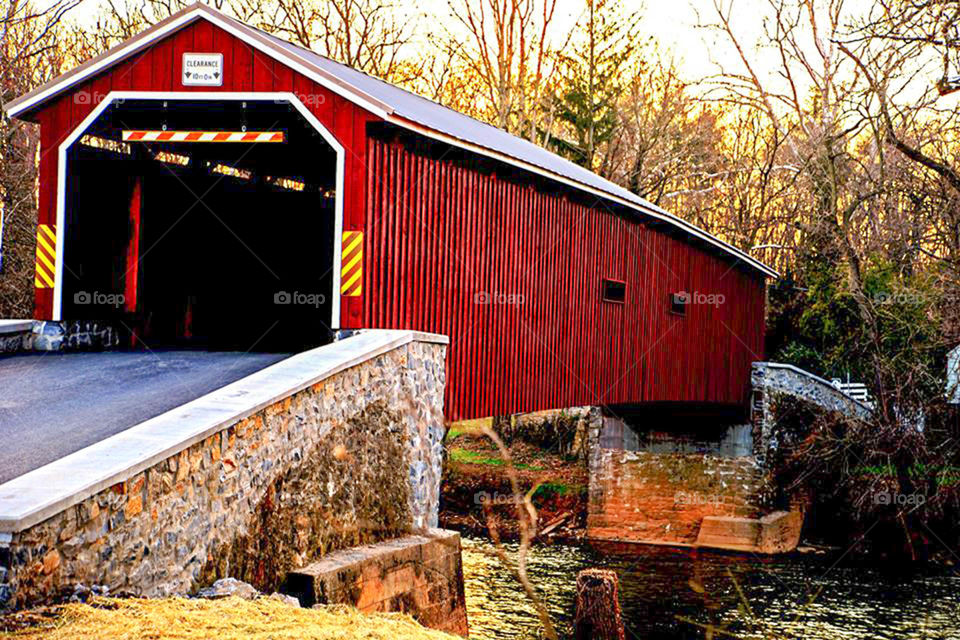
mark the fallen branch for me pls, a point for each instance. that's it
(556, 522)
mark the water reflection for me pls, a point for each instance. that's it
(799, 596)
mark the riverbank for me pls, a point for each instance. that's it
(230, 618)
(476, 483)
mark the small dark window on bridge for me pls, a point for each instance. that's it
(679, 302)
(614, 290)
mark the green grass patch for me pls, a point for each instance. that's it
(455, 432)
(945, 476)
(466, 427)
(464, 456)
(548, 490)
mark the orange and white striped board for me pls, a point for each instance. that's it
(202, 136)
(351, 261)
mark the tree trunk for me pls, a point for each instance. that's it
(503, 426)
(598, 606)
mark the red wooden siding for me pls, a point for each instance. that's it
(443, 233)
(245, 70)
(507, 264)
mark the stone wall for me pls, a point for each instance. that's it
(15, 336)
(30, 335)
(665, 487)
(771, 381)
(560, 431)
(787, 379)
(352, 459)
(15, 342)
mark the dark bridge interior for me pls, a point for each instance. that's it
(225, 246)
(673, 427)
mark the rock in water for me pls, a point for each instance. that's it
(226, 587)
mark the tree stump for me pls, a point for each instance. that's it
(598, 606)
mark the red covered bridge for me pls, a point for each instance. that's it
(207, 183)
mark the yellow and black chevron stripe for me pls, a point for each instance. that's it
(351, 259)
(46, 256)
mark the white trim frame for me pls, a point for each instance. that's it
(267, 96)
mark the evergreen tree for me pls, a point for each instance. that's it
(594, 72)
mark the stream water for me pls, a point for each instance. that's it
(665, 593)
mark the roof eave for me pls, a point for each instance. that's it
(25, 105)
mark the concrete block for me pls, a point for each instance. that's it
(777, 532)
(420, 575)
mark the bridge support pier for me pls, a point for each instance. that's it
(658, 485)
(658, 480)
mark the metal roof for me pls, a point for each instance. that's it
(394, 104)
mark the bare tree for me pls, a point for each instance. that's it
(119, 20)
(369, 35)
(32, 54)
(509, 49)
(896, 49)
(907, 57)
(842, 172)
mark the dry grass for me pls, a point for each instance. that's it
(227, 619)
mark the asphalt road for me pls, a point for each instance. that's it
(53, 404)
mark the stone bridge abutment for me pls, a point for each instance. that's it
(329, 449)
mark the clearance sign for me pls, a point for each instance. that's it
(202, 70)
